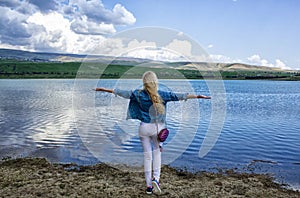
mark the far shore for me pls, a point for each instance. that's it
(138, 78)
(36, 177)
(17, 69)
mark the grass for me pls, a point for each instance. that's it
(13, 69)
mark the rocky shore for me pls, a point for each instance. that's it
(36, 177)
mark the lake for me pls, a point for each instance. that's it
(249, 126)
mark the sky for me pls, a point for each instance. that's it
(258, 32)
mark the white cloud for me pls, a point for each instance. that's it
(281, 64)
(55, 36)
(83, 26)
(154, 54)
(210, 46)
(9, 3)
(176, 50)
(135, 44)
(59, 37)
(180, 34)
(257, 60)
(45, 6)
(121, 16)
(182, 47)
(95, 11)
(121, 47)
(64, 26)
(13, 27)
(253, 60)
(218, 58)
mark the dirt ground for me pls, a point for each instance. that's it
(36, 177)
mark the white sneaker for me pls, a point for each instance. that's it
(156, 185)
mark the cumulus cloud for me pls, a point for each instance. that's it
(257, 60)
(180, 34)
(280, 64)
(123, 47)
(218, 58)
(54, 36)
(45, 6)
(157, 54)
(252, 60)
(9, 3)
(95, 11)
(121, 16)
(59, 37)
(175, 50)
(13, 27)
(83, 26)
(135, 45)
(183, 47)
(57, 25)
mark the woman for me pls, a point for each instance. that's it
(149, 106)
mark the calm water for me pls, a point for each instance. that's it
(51, 118)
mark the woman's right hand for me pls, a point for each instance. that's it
(104, 89)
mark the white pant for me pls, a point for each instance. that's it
(148, 137)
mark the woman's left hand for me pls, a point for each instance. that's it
(203, 97)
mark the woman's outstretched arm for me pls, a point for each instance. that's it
(104, 89)
(118, 92)
(192, 96)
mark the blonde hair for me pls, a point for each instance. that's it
(150, 82)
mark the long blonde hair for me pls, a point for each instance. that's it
(150, 82)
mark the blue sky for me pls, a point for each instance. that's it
(260, 32)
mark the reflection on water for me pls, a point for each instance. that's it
(37, 120)
(260, 133)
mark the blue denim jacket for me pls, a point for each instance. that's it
(140, 104)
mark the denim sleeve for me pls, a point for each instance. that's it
(171, 96)
(123, 93)
(181, 96)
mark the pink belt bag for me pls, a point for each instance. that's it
(162, 135)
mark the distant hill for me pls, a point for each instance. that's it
(227, 67)
(35, 56)
(59, 57)
(24, 64)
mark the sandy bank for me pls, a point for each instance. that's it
(36, 177)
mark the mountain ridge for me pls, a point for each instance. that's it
(22, 55)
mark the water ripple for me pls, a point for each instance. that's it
(262, 124)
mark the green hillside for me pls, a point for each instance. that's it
(12, 69)
(24, 64)
(27, 69)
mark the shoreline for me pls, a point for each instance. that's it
(33, 177)
(203, 79)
